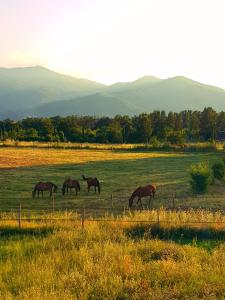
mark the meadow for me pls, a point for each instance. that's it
(179, 256)
(119, 172)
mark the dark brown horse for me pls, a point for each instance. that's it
(140, 192)
(44, 186)
(92, 181)
(69, 184)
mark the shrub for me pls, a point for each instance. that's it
(169, 253)
(154, 142)
(218, 170)
(201, 177)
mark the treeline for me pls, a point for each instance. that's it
(173, 128)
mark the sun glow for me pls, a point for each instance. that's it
(110, 41)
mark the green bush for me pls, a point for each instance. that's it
(201, 177)
(218, 170)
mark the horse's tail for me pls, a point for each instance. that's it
(63, 188)
(84, 178)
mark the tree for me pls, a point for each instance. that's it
(126, 125)
(114, 133)
(143, 128)
(208, 123)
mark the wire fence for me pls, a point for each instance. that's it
(109, 208)
(83, 215)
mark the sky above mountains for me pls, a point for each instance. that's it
(116, 40)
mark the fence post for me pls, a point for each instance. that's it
(83, 218)
(158, 219)
(19, 216)
(112, 202)
(53, 203)
(173, 200)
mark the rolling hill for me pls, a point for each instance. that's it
(175, 94)
(22, 89)
(37, 91)
(97, 104)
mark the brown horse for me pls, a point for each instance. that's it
(44, 186)
(140, 192)
(70, 184)
(92, 181)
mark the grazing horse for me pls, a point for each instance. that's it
(92, 181)
(44, 186)
(70, 184)
(140, 192)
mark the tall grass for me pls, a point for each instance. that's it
(161, 146)
(108, 260)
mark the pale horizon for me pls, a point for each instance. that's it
(116, 41)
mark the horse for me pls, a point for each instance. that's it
(69, 184)
(92, 181)
(140, 192)
(44, 186)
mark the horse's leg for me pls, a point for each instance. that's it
(88, 188)
(139, 199)
(149, 201)
(95, 189)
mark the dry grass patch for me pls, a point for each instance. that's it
(17, 157)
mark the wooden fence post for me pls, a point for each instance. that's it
(53, 203)
(173, 200)
(158, 219)
(19, 216)
(83, 218)
(112, 202)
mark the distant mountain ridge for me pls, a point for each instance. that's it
(37, 91)
(25, 88)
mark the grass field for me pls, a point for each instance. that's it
(119, 172)
(114, 260)
(181, 257)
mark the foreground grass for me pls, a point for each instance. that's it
(114, 260)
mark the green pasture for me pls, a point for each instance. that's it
(118, 178)
(182, 257)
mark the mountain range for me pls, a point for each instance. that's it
(37, 91)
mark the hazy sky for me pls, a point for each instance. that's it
(116, 40)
